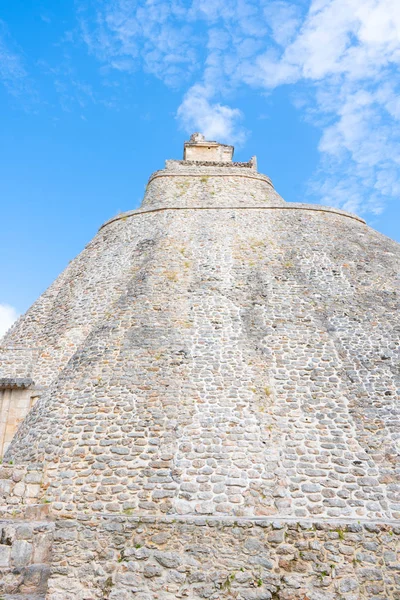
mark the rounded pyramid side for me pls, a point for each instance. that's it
(248, 366)
(42, 341)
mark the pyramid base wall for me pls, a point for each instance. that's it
(25, 558)
(123, 557)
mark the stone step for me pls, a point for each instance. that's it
(29, 596)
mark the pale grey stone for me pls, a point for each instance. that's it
(218, 385)
(5, 554)
(21, 553)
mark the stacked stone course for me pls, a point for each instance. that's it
(21, 489)
(225, 558)
(220, 370)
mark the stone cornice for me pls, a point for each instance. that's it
(230, 172)
(289, 206)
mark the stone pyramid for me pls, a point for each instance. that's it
(211, 402)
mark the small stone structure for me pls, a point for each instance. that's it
(198, 149)
(16, 400)
(218, 383)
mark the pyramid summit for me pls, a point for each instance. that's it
(205, 403)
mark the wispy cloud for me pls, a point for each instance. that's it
(344, 53)
(155, 36)
(179, 42)
(8, 315)
(348, 51)
(12, 72)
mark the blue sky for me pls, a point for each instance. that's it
(96, 94)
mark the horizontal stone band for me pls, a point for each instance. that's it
(316, 208)
(257, 176)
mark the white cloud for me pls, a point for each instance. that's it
(348, 53)
(8, 315)
(345, 53)
(177, 41)
(351, 38)
(214, 120)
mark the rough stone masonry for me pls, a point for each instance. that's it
(209, 397)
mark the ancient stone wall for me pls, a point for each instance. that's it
(25, 557)
(23, 492)
(218, 412)
(227, 377)
(26, 533)
(121, 557)
(191, 186)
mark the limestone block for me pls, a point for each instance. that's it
(19, 489)
(6, 486)
(32, 490)
(21, 553)
(37, 512)
(169, 560)
(42, 548)
(33, 477)
(5, 555)
(24, 531)
(17, 475)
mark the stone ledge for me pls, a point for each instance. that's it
(208, 163)
(9, 383)
(28, 596)
(294, 206)
(232, 172)
(229, 521)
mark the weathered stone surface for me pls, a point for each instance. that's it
(5, 554)
(25, 550)
(218, 370)
(232, 336)
(225, 559)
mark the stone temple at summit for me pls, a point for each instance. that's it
(205, 403)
